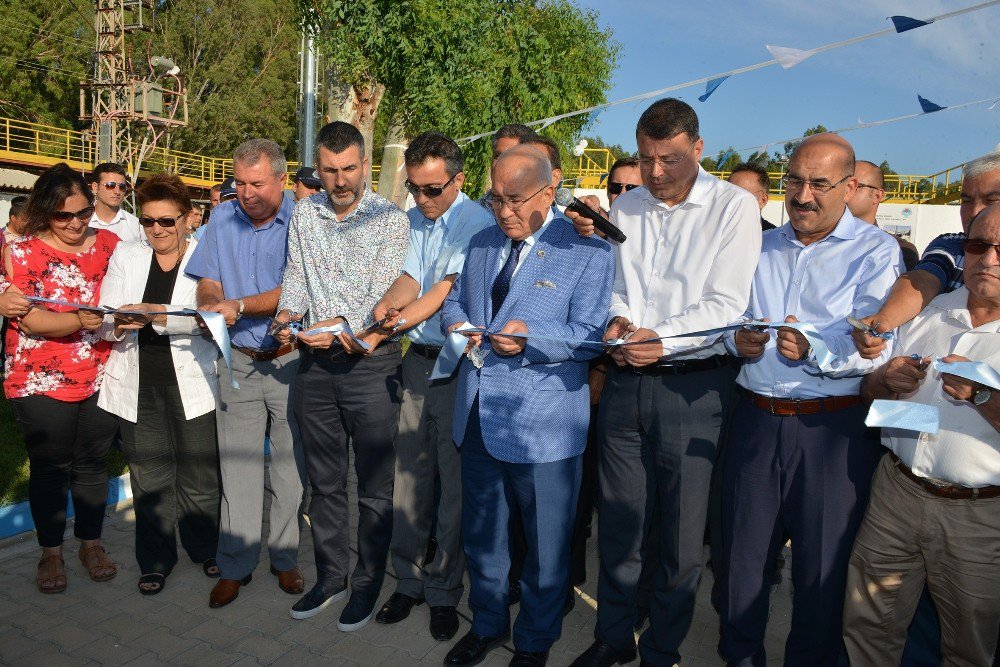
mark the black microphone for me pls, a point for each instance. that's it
(565, 198)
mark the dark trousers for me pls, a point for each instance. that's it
(546, 496)
(174, 469)
(807, 477)
(659, 436)
(584, 506)
(67, 446)
(339, 400)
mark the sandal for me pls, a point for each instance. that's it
(51, 577)
(98, 564)
(151, 584)
(211, 569)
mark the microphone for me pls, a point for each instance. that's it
(565, 198)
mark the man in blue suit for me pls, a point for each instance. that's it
(522, 404)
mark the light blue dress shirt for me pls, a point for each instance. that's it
(850, 272)
(438, 249)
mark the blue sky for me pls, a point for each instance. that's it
(666, 42)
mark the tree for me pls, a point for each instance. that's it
(790, 146)
(616, 150)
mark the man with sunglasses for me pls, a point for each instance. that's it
(441, 227)
(934, 514)
(111, 185)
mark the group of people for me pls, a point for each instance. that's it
(592, 374)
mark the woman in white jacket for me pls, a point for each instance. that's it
(161, 381)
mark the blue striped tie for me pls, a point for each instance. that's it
(502, 284)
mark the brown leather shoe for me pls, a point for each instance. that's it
(226, 590)
(289, 581)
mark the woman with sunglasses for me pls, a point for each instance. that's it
(53, 370)
(162, 383)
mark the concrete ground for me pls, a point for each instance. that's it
(112, 624)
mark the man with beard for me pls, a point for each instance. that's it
(344, 251)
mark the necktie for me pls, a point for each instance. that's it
(502, 284)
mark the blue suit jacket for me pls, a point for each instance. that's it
(534, 407)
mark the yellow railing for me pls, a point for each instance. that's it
(937, 188)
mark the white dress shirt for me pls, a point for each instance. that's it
(966, 449)
(687, 267)
(849, 272)
(124, 225)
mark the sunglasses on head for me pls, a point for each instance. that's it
(123, 185)
(147, 221)
(618, 188)
(66, 216)
(427, 190)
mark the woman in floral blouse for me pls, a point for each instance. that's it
(53, 370)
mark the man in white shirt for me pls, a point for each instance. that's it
(934, 513)
(693, 243)
(111, 185)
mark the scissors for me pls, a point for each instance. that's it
(871, 330)
(294, 326)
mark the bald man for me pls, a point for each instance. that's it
(522, 406)
(864, 205)
(799, 459)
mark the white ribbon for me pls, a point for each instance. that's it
(977, 371)
(905, 415)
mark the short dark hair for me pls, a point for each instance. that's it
(522, 133)
(762, 178)
(107, 168)
(216, 188)
(667, 118)
(17, 204)
(164, 187)
(434, 145)
(338, 136)
(880, 178)
(551, 149)
(53, 187)
(620, 163)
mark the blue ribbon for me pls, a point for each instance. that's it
(977, 371)
(905, 415)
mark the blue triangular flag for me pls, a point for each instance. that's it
(711, 86)
(722, 160)
(904, 23)
(928, 106)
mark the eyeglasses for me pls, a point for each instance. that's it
(431, 191)
(865, 185)
(147, 221)
(794, 184)
(513, 204)
(66, 216)
(618, 188)
(664, 162)
(123, 185)
(978, 247)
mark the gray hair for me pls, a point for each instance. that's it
(252, 151)
(981, 165)
(537, 166)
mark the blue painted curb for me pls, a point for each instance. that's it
(16, 519)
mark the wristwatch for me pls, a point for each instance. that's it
(239, 313)
(982, 395)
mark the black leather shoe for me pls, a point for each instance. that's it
(472, 649)
(529, 659)
(604, 655)
(444, 623)
(396, 608)
(514, 594)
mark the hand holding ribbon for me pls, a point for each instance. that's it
(961, 378)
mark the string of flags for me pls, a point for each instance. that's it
(785, 56)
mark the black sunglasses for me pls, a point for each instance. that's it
(66, 216)
(616, 188)
(147, 221)
(978, 247)
(431, 191)
(123, 186)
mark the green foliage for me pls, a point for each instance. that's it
(790, 146)
(723, 161)
(616, 150)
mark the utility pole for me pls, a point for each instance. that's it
(307, 99)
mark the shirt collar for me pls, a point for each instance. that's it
(531, 240)
(447, 216)
(323, 204)
(119, 217)
(704, 183)
(845, 230)
(955, 305)
(281, 217)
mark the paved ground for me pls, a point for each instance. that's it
(110, 623)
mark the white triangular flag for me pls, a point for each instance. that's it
(994, 105)
(788, 58)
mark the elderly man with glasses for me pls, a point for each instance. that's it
(110, 185)
(441, 227)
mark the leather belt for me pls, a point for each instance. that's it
(943, 489)
(682, 367)
(425, 351)
(811, 406)
(265, 355)
(337, 353)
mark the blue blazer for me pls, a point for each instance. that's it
(534, 407)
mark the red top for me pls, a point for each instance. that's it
(68, 368)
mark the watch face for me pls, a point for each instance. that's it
(981, 396)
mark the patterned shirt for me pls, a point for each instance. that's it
(341, 268)
(944, 258)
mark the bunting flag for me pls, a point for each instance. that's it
(784, 56)
(904, 23)
(928, 106)
(711, 86)
(722, 160)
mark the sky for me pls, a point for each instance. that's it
(667, 42)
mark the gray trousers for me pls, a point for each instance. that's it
(658, 439)
(242, 418)
(424, 449)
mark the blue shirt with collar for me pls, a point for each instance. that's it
(247, 260)
(438, 249)
(849, 272)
